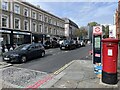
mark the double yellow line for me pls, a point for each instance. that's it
(62, 68)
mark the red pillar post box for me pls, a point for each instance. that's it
(109, 60)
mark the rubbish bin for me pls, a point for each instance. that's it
(109, 60)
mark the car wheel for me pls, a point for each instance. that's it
(43, 54)
(23, 59)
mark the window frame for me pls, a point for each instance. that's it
(35, 14)
(50, 21)
(40, 18)
(15, 23)
(41, 28)
(27, 25)
(35, 26)
(3, 1)
(27, 12)
(54, 30)
(6, 21)
(50, 31)
(46, 29)
(46, 19)
(15, 9)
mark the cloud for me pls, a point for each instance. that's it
(104, 14)
(81, 12)
(99, 12)
(73, 1)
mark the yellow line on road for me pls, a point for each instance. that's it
(62, 68)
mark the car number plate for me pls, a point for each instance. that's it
(6, 59)
(63, 47)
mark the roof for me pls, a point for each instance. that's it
(68, 21)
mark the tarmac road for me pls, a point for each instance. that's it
(55, 59)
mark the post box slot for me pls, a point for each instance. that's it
(110, 46)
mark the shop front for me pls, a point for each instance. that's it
(9, 37)
(38, 37)
(21, 37)
(5, 38)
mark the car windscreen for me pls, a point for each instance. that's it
(47, 42)
(66, 42)
(22, 47)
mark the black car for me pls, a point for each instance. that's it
(67, 44)
(47, 44)
(24, 52)
(54, 44)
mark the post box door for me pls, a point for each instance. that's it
(110, 59)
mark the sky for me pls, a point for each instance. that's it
(80, 11)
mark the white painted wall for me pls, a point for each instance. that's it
(67, 30)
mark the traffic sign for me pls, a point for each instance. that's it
(97, 30)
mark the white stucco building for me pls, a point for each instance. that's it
(70, 28)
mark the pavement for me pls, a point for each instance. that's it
(76, 74)
(4, 64)
(80, 74)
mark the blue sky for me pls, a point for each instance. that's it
(81, 12)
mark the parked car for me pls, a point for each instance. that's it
(77, 43)
(67, 44)
(47, 44)
(24, 53)
(54, 44)
(61, 41)
(82, 43)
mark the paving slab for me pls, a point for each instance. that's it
(66, 84)
(93, 83)
(80, 74)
